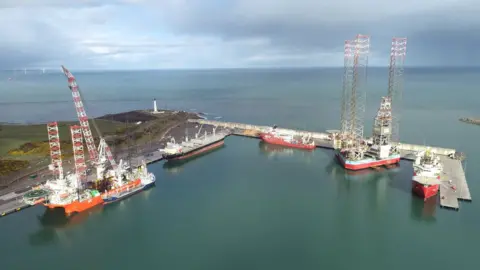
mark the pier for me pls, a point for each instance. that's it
(12, 202)
(454, 185)
(452, 192)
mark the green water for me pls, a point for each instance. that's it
(242, 208)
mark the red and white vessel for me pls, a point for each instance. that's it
(275, 137)
(427, 169)
(380, 151)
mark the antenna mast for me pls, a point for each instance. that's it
(395, 82)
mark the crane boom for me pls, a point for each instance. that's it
(83, 119)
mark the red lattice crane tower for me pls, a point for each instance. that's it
(55, 151)
(78, 153)
(395, 82)
(82, 115)
(104, 152)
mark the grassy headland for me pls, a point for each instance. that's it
(24, 148)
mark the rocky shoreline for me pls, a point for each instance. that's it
(470, 120)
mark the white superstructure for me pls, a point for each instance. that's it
(427, 168)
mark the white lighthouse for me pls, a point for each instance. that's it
(155, 106)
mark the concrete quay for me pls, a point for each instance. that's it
(12, 202)
(454, 185)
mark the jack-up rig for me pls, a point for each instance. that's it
(74, 192)
(353, 150)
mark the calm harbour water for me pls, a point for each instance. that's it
(241, 207)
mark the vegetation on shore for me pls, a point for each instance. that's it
(11, 165)
(22, 146)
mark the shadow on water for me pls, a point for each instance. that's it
(377, 181)
(176, 166)
(370, 186)
(401, 177)
(53, 221)
(424, 210)
(273, 150)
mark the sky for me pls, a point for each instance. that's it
(193, 34)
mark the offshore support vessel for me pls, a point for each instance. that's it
(273, 136)
(193, 147)
(427, 170)
(64, 191)
(124, 187)
(380, 152)
(72, 193)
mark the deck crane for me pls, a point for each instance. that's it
(100, 156)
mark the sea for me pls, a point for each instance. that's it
(246, 206)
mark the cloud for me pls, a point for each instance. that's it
(61, 3)
(231, 33)
(312, 26)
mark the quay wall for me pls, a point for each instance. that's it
(319, 136)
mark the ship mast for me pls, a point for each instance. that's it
(198, 132)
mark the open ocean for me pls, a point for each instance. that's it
(240, 207)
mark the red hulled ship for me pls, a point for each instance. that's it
(288, 140)
(426, 174)
(380, 152)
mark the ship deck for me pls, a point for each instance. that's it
(194, 144)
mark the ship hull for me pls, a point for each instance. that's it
(366, 163)
(123, 195)
(195, 152)
(120, 194)
(78, 206)
(424, 191)
(273, 140)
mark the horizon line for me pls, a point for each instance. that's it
(231, 68)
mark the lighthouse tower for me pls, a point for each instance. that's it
(155, 106)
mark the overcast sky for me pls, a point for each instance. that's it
(148, 34)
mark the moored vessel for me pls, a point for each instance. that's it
(427, 170)
(365, 162)
(73, 193)
(75, 202)
(130, 183)
(273, 136)
(193, 147)
(361, 154)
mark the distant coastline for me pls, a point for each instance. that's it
(470, 120)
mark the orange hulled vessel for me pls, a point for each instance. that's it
(76, 203)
